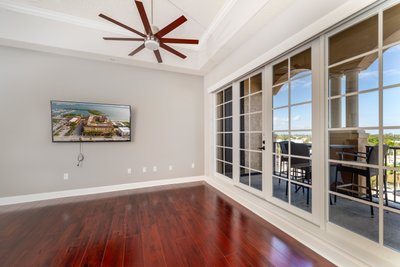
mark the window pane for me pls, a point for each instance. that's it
(228, 109)
(228, 155)
(392, 192)
(301, 197)
(280, 189)
(355, 217)
(256, 122)
(255, 141)
(280, 165)
(220, 111)
(220, 140)
(301, 90)
(355, 111)
(228, 170)
(244, 105)
(244, 158)
(300, 168)
(255, 83)
(244, 141)
(244, 87)
(356, 40)
(228, 95)
(302, 138)
(281, 119)
(391, 236)
(337, 113)
(301, 117)
(357, 75)
(256, 161)
(343, 145)
(244, 176)
(220, 97)
(280, 72)
(392, 159)
(300, 64)
(391, 26)
(368, 109)
(280, 142)
(228, 125)
(220, 167)
(256, 102)
(220, 153)
(228, 140)
(256, 180)
(244, 123)
(280, 95)
(391, 66)
(357, 181)
(220, 125)
(391, 107)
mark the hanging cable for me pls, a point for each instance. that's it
(81, 157)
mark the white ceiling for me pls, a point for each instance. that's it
(72, 27)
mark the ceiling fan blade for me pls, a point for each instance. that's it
(158, 56)
(144, 18)
(173, 51)
(136, 50)
(121, 25)
(122, 39)
(170, 27)
(179, 41)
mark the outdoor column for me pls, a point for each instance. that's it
(352, 101)
(336, 104)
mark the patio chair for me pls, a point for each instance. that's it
(370, 157)
(300, 168)
(284, 150)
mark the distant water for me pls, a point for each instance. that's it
(113, 112)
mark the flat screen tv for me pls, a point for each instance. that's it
(90, 122)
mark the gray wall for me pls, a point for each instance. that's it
(167, 123)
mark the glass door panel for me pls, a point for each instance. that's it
(292, 130)
(250, 132)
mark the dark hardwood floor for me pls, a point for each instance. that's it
(177, 225)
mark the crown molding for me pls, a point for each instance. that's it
(221, 15)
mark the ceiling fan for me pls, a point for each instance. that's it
(153, 38)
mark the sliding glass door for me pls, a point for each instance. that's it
(251, 144)
(292, 130)
(364, 127)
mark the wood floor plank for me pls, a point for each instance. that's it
(174, 225)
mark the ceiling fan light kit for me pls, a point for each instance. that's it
(152, 43)
(153, 37)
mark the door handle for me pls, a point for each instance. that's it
(261, 148)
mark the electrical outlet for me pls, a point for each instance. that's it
(170, 168)
(66, 176)
(154, 168)
(144, 169)
(129, 170)
(192, 165)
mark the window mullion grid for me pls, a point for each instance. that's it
(290, 134)
(381, 139)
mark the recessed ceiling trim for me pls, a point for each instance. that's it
(61, 17)
(224, 11)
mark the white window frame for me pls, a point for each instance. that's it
(377, 248)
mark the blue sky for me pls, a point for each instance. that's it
(368, 102)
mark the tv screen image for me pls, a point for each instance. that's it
(90, 122)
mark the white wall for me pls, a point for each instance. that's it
(167, 123)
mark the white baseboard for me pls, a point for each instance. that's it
(95, 190)
(308, 234)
